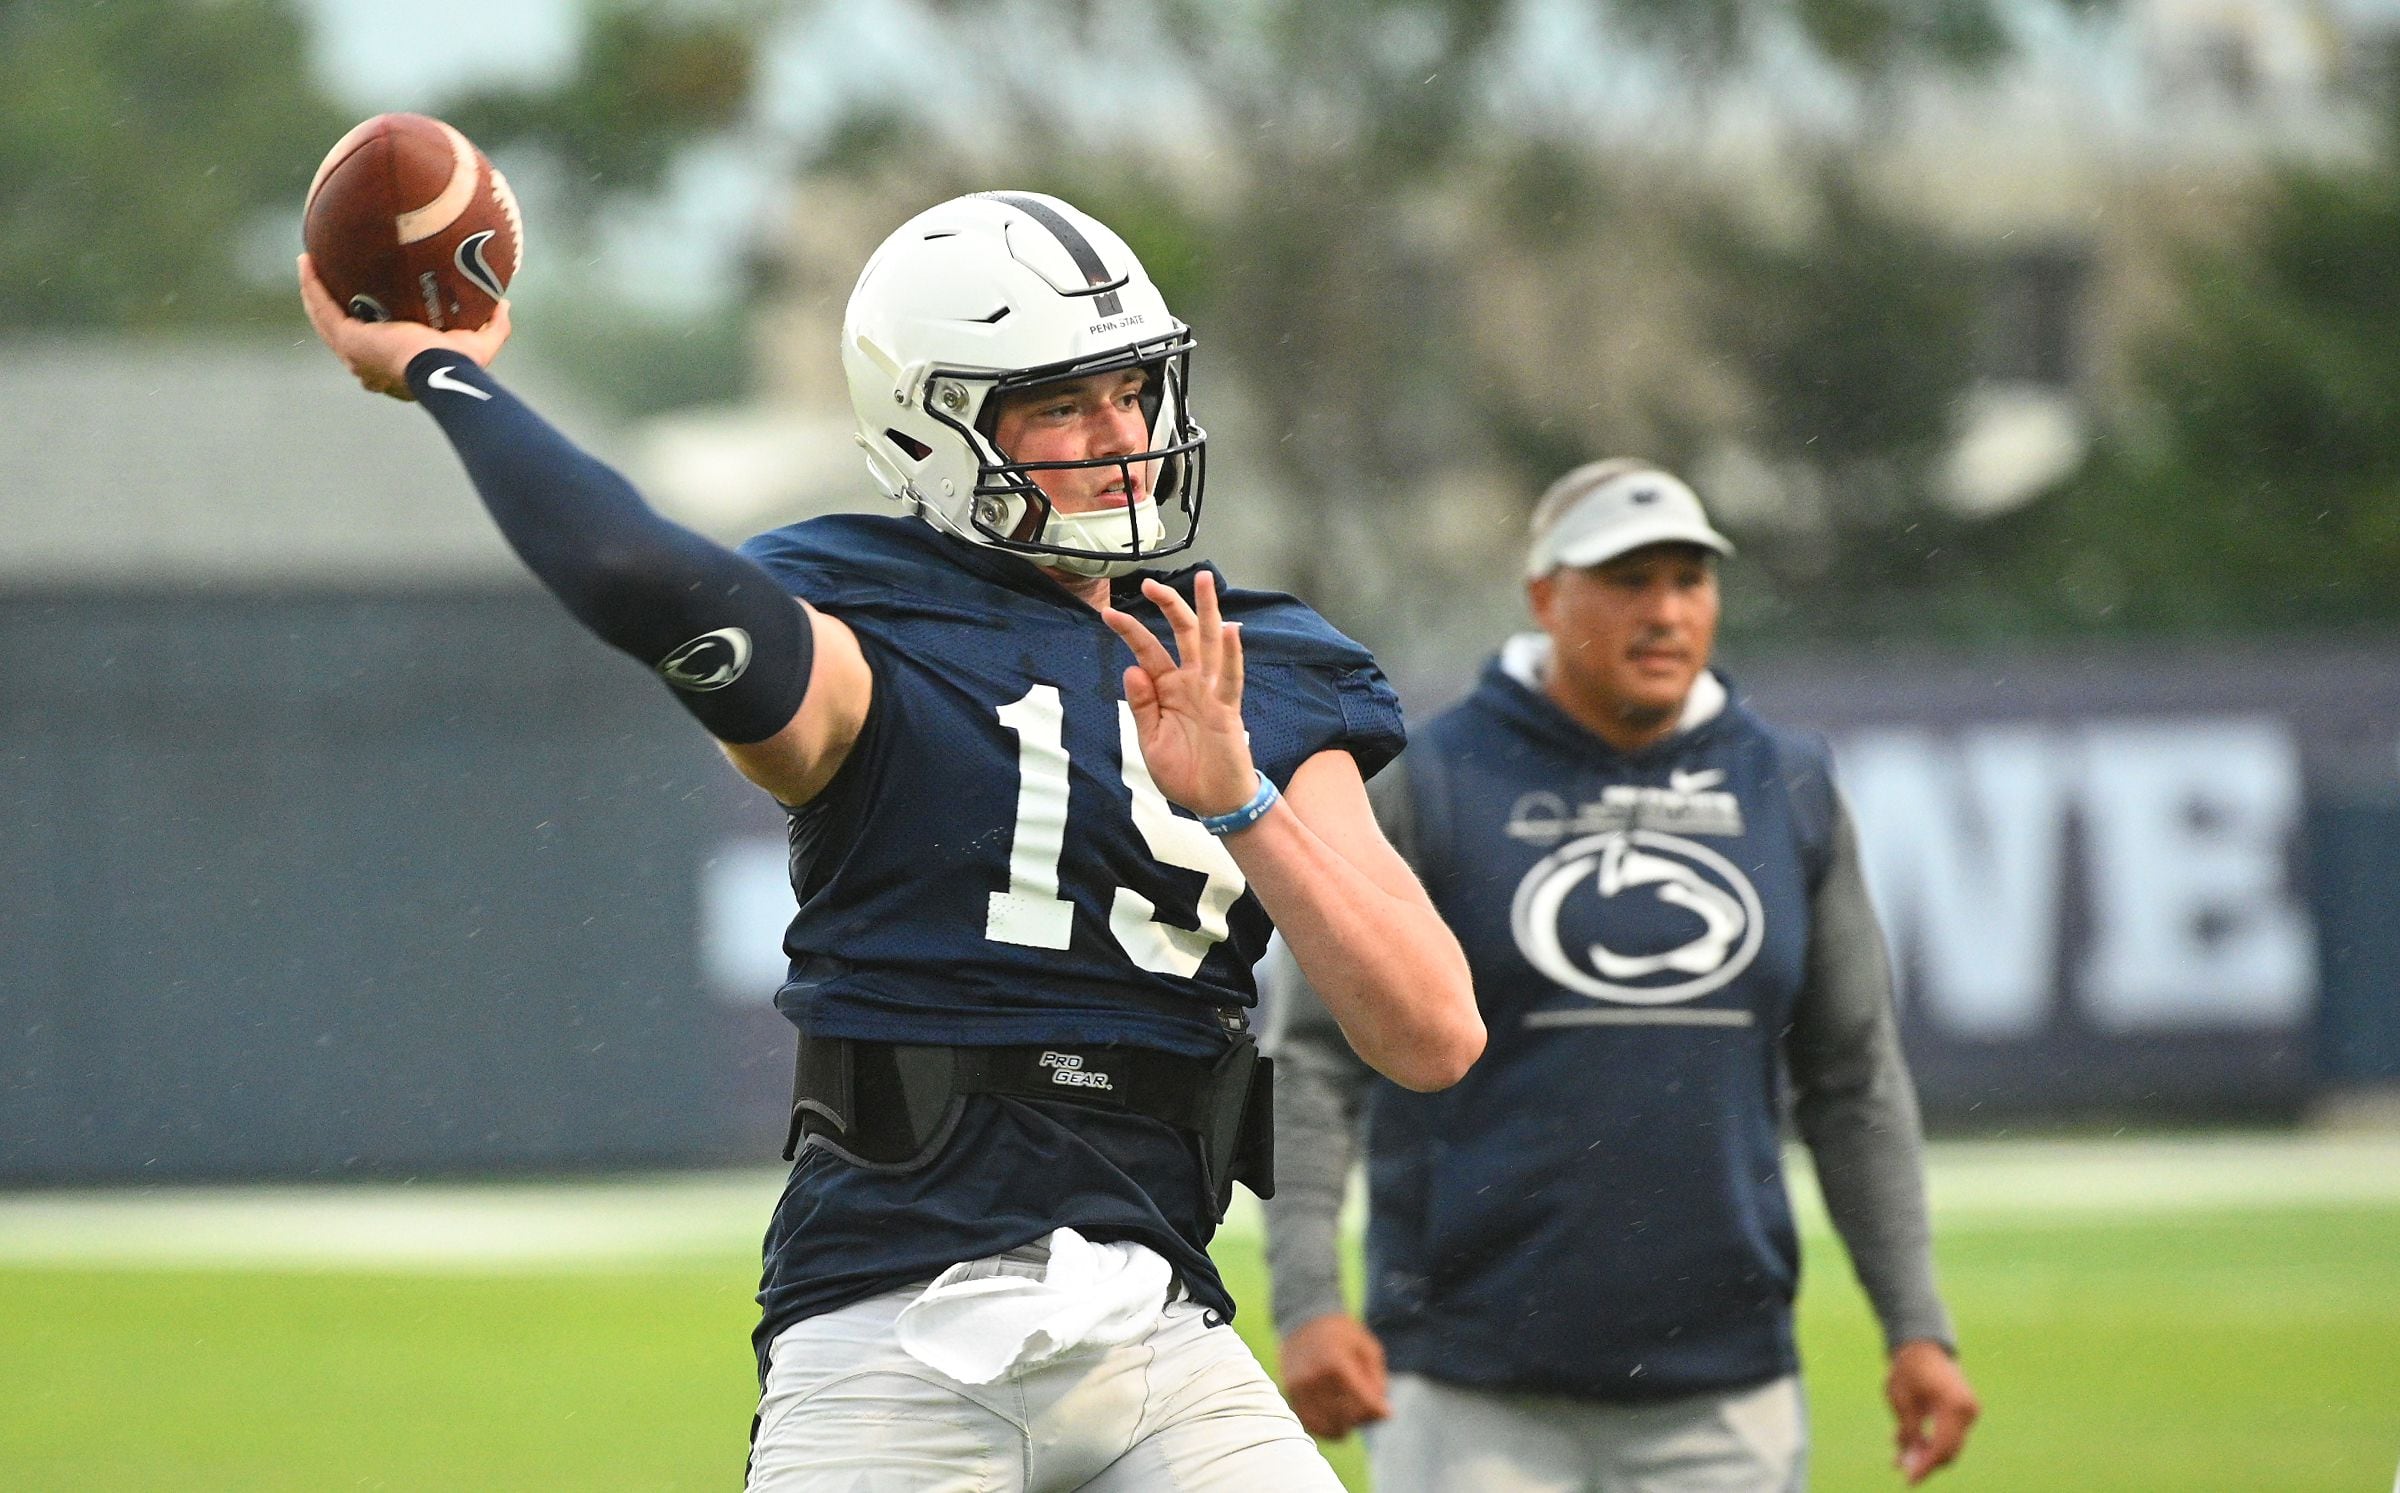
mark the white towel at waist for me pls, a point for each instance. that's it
(982, 1319)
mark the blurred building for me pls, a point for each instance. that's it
(223, 464)
(333, 846)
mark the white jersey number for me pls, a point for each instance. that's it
(1032, 913)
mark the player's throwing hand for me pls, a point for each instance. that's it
(1189, 712)
(377, 353)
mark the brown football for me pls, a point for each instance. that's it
(407, 221)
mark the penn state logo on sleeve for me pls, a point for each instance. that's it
(710, 661)
(1638, 917)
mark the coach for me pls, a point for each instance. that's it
(1581, 1259)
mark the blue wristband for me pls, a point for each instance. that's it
(1248, 814)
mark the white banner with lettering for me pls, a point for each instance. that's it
(2164, 845)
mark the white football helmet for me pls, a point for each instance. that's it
(1001, 291)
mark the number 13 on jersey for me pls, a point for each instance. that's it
(1031, 912)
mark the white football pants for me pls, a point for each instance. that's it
(1186, 1407)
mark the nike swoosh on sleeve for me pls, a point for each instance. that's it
(441, 378)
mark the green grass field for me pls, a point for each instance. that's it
(2237, 1329)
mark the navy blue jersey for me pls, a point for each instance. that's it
(993, 866)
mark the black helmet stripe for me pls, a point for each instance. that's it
(1079, 248)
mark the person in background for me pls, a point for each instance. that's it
(1581, 1259)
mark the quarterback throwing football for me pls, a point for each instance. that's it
(1046, 801)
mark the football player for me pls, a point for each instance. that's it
(1045, 800)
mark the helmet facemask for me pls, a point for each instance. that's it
(1011, 512)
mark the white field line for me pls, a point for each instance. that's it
(1975, 1184)
(468, 1228)
(2002, 1184)
(482, 1228)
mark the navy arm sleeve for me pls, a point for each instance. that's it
(729, 641)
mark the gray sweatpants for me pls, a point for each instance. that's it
(846, 1410)
(1446, 1439)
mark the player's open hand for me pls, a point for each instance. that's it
(1189, 709)
(377, 353)
(1935, 1407)
(1333, 1374)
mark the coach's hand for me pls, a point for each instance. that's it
(1188, 710)
(1935, 1406)
(377, 353)
(1334, 1376)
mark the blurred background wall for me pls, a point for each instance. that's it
(2037, 353)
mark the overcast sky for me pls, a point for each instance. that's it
(378, 56)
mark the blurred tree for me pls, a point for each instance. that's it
(1855, 338)
(2254, 481)
(1331, 282)
(146, 151)
(153, 160)
(1863, 38)
(648, 82)
(1342, 239)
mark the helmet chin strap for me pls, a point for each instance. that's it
(1104, 529)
